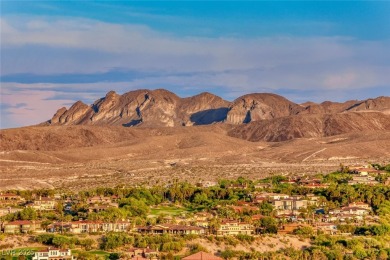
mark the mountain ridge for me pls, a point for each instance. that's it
(162, 108)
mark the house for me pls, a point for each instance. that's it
(171, 229)
(9, 197)
(22, 226)
(262, 185)
(341, 217)
(43, 203)
(103, 207)
(327, 228)
(363, 179)
(202, 256)
(99, 200)
(357, 211)
(289, 205)
(364, 171)
(265, 196)
(257, 217)
(53, 254)
(360, 205)
(208, 184)
(234, 227)
(237, 186)
(89, 226)
(289, 228)
(316, 185)
(346, 213)
(201, 219)
(293, 204)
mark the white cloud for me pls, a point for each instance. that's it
(234, 65)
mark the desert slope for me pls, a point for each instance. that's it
(311, 125)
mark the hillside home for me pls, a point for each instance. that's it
(171, 229)
(99, 200)
(102, 207)
(10, 197)
(327, 228)
(316, 185)
(360, 205)
(265, 196)
(368, 180)
(350, 210)
(53, 254)
(364, 171)
(262, 185)
(22, 226)
(234, 227)
(89, 226)
(208, 184)
(200, 219)
(289, 205)
(289, 228)
(43, 203)
(342, 218)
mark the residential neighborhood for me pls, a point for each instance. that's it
(151, 222)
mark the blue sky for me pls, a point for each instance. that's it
(54, 53)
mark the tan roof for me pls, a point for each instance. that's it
(202, 256)
(138, 258)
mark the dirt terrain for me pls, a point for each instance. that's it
(78, 157)
(154, 136)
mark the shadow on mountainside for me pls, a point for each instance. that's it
(209, 116)
(133, 122)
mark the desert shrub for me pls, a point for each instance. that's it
(228, 254)
(195, 248)
(304, 231)
(245, 238)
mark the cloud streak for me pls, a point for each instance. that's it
(51, 62)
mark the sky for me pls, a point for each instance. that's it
(54, 53)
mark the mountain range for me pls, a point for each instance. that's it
(254, 117)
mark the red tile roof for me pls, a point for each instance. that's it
(19, 222)
(202, 256)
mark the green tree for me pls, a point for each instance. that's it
(87, 243)
(266, 208)
(28, 214)
(269, 225)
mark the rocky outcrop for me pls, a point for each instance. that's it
(75, 115)
(256, 107)
(150, 108)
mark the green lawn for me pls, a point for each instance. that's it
(93, 252)
(99, 252)
(167, 210)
